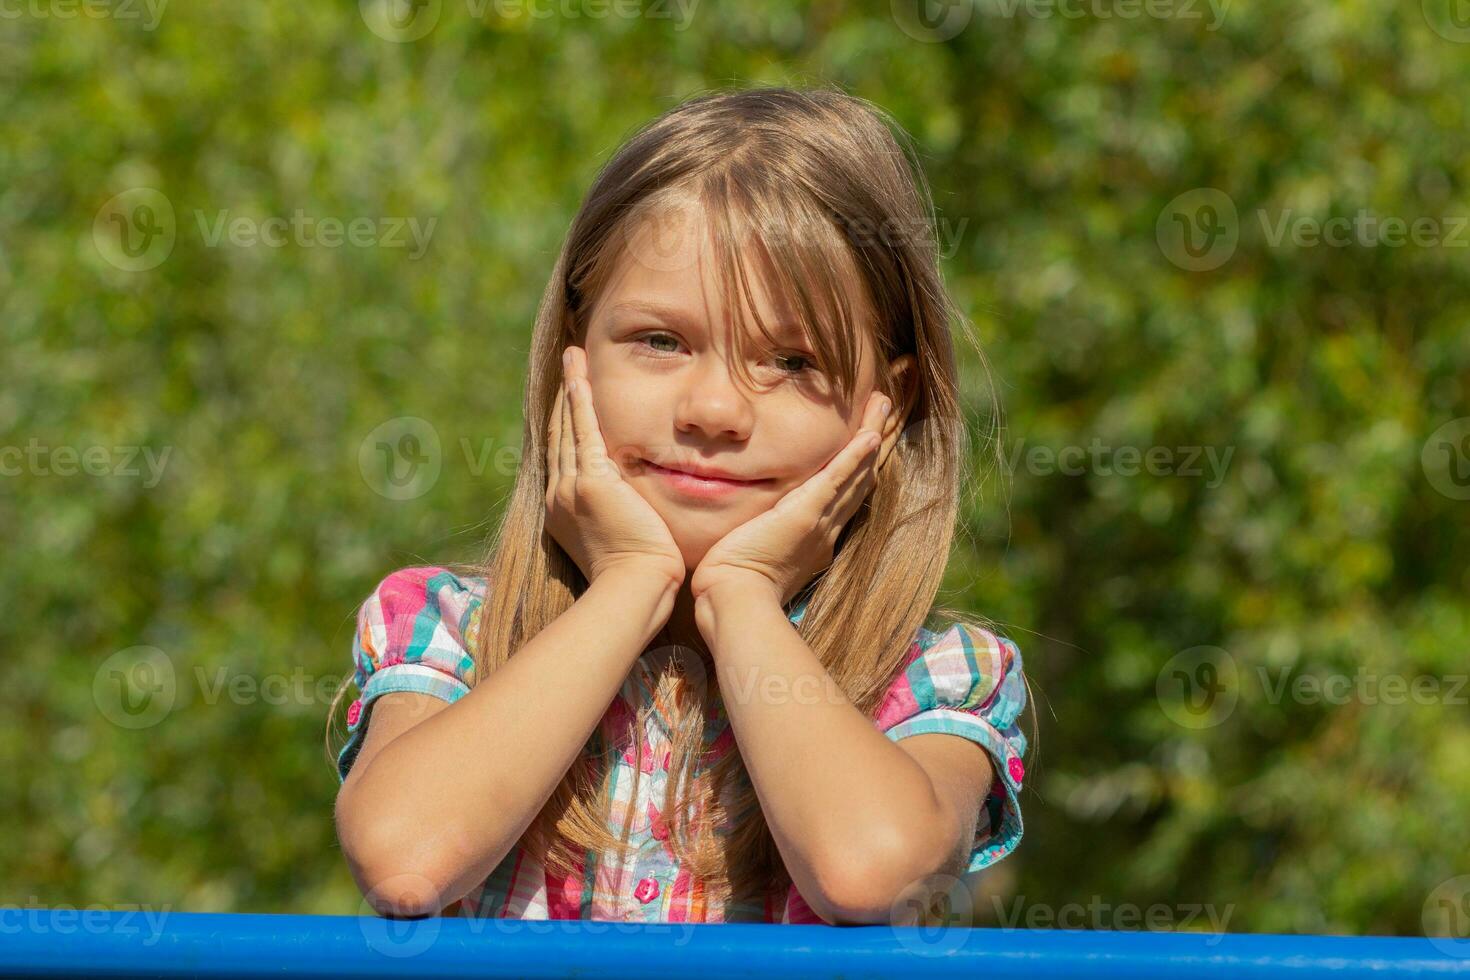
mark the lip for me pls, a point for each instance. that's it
(707, 483)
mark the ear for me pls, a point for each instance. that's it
(903, 381)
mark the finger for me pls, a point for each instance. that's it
(855, 490)
(858, 482)
(876, 411)
(825, 486)
(591, 448)
(553, 441)
(568, 448)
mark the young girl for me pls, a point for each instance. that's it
(695, 678)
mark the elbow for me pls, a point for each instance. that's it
(398, 880)
(875, 889)
(404, 895)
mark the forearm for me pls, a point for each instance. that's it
(844, 803)
(459, 789)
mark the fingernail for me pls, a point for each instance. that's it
(566, 358)
(886, 406)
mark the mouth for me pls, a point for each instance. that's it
(695, 484)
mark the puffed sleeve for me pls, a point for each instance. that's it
(968, 681)
(413, 634)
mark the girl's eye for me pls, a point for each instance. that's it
(803, 363)
(660, 336)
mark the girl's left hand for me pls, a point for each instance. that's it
(782, 549)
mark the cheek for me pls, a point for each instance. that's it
(807, 442)
(627, 411)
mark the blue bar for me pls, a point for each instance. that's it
(114, 943)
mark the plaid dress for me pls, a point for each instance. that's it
(415, 631)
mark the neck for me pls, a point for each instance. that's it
(681, 629)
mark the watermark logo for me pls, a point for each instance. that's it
(400, 937)
(139, 687)
(37, 459)
(1199, 229)
(400, 21)
(1099, 915)
(310, 231)
(933, 916)
(90, 920)
(1446, 459)
(119, 10)
(932, 21)
(1446, 917)
(1450, 19)
(135, 688)
(1198, 688)
(135, 231)
(401, 459)
(1127, 461)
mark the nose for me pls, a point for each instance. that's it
(712, 403)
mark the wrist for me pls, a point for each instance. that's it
(733, 602)
(645, 588)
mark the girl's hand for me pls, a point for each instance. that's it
(782, 549)
(596, 516)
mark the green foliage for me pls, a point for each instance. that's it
(1314, 376)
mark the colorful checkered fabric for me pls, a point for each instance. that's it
(415, 631)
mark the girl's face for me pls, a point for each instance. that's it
(665, 393)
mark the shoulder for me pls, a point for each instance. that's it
(422, 592)
(962, 665)
(418, 611)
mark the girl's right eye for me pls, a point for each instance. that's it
(649, 338)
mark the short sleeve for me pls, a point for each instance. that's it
(413, 634)
(968, 681)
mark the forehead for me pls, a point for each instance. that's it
(669, 270)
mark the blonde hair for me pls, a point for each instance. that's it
(821, 185)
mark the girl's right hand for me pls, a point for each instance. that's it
(591, 511)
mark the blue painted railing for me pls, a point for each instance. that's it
(113, 943)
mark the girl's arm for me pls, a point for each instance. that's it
(440, 794)
(857, 819)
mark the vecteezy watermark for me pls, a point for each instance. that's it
(139, 687)
(308, 231)
(93, 920)
(934, 915)
(120, 10)
(670, 239)
(403, 916)
(1200, 687)
(1446, 459)
(1363, 686)
(1197, 688)
(36, 459)
(402, 21)
(1364, 230)
(1098, 914)
(401, 458)
(1200, 229)
(137, 230)
(1446, 917)
(1214, 10)
(934, 21)
(681, 12)
(1450, 19)
(1105, 460)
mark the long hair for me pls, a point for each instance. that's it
(809, 189)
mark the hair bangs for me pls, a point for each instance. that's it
(802, 261)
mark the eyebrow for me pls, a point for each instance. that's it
(678, 317)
